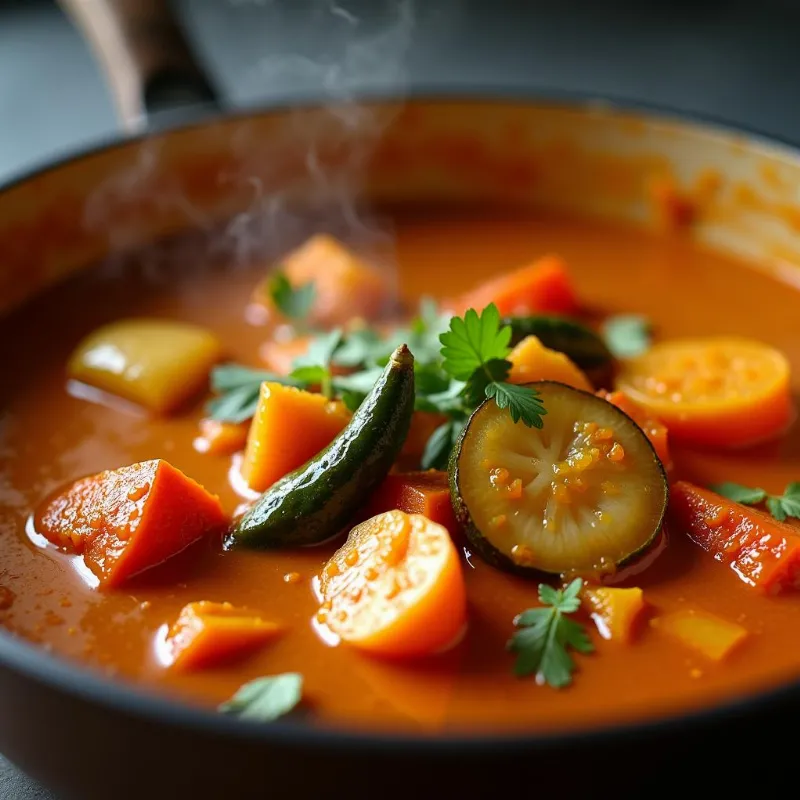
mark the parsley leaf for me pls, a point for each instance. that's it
(441, 443)
(780, 506)
(238, 388)
(546, 634)
(314, 368)
(266, 699)
(360, 348)
(473, 340)
(522, 402)
(293, 302)
(740, 494)
(627, 335)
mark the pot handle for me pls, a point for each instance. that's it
(148, 62)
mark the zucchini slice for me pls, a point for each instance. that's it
(580, 344)
(582, 496)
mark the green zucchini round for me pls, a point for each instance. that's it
(582, 345)
(317, 500)
(584, 495)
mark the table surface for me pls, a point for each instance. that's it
(736, 61)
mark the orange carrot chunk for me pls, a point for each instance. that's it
(543, 286)
(532, 361)
(290, 426)
(209, 634)
(763, 552)
(653, 428)
(426, 493)
(344, 285)
(615, 611)
(395, 588)
(221, 438)
(127, 520)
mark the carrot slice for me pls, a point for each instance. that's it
(395, 588)
(208, 634)
(345, 286)
(710, 635)
(717, 392)
(616, 612)
(127, 520)
(426, 493)
(289, 427)
(544, 285)
(532, 361)
(763, 552)
(654, 429)
(221, 438)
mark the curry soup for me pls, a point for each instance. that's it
(587, 467)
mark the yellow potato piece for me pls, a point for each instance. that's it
(707, 634)
(158, 364)
(532, 361)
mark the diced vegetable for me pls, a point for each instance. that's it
(544, 286)
(318, 499)
(584, 495)
(158, 364)
(290, 426)
(127, 520)
(221, 438)
(532, 361)
(581, 345)
(616, 612)
(710, 635)
(763, 552)
(654, 429)
(344, 285)
(209, 634)
(426, 493)
(716, 392)
(395, 588)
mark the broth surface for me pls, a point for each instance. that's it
(49, 437)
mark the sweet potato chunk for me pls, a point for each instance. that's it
(207, 634)
(127, 520)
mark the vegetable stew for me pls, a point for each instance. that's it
(554, 484)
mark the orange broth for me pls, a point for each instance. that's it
(48, 437)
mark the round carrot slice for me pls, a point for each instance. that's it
(716, 392)
(395, 588)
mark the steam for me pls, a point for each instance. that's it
(327, 149)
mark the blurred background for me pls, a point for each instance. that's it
(738, 61)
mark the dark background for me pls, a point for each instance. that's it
(736, 61)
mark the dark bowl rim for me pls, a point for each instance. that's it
(127, 698)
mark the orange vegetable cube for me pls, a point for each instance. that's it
(345, 286)
(221, 438)
(127, 520)
(615, 611)
(209, 634)
(763, 552)
(543, 286)
(532, 361)
(426, 493)
(710, 635)
(423, 424)
(290, 426)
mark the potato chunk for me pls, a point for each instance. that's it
(158, 364)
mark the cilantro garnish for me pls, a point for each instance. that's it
(627, 335)
(293, 302)
(546, 634)
(474, 350)
(781, 506)
(238, 388)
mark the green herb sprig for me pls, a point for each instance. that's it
(780, 506)
(547, 634)
(266, 699)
